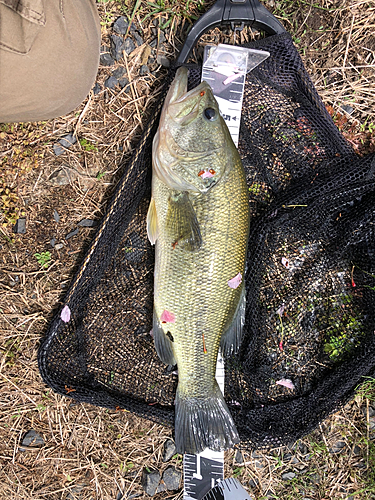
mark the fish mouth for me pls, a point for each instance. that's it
(178, 87)
(178, 97)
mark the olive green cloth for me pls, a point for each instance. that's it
(49, 57)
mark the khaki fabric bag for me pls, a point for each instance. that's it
(49, 57)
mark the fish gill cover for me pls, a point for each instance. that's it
(310, 278)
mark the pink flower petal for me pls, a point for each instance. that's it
(167, 317)
(286, 382)
(280, 310)
(207, 174)
(232, 77)
(285, 262)
(236, 281)
(65, 314)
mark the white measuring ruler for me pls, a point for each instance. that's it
(204, 471)
(224, 69)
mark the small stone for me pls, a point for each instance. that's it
(337, 447)
(172, 478)
(162, 38)
(106, 60)
(133, 28)
(111, 82)
(238, 457)
(58, 246)
(32, 438)
(357, 450)
(75, 492)
(303, 448)
(150, 481)
(144, 70)
(360, 465)
(161, 488)
(169, 450)
(138, 39)
(52, 242)
(163, 61)
(371, 411)
(153, 43)
(87, 223)
(253, 483)
(96, 89)
(120, 26)
(58, 150)
(348, 109)
(123, 82)
(72, 233)
(68, 140)
(315, 478)
(372, 423)
(20, 226)
(117, 47)
(288, 476)
(129, 46)
(119, 72)
(56, 216)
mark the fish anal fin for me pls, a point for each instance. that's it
(231, 338)
(163, 342)
(182, 226)
(203, 423)
(152, 223)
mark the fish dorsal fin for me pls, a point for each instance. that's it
(231, 338)
(182, 226)
(163, 342)
(152, 223)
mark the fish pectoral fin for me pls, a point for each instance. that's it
(152, 223)
(231, 338)
(163, 342)
(182, 226)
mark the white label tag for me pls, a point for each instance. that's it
(224, 69)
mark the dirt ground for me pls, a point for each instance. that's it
(93, 453)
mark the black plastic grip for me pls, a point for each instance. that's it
(224, 12)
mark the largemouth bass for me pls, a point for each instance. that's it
(199, 221)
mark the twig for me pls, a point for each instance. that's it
(347, 45)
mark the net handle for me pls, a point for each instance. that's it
(231, 12)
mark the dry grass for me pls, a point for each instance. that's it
(95, 453)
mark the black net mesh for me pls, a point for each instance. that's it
(309, 333)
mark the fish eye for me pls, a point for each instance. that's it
(210, 114)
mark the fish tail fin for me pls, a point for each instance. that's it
(204, 423)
